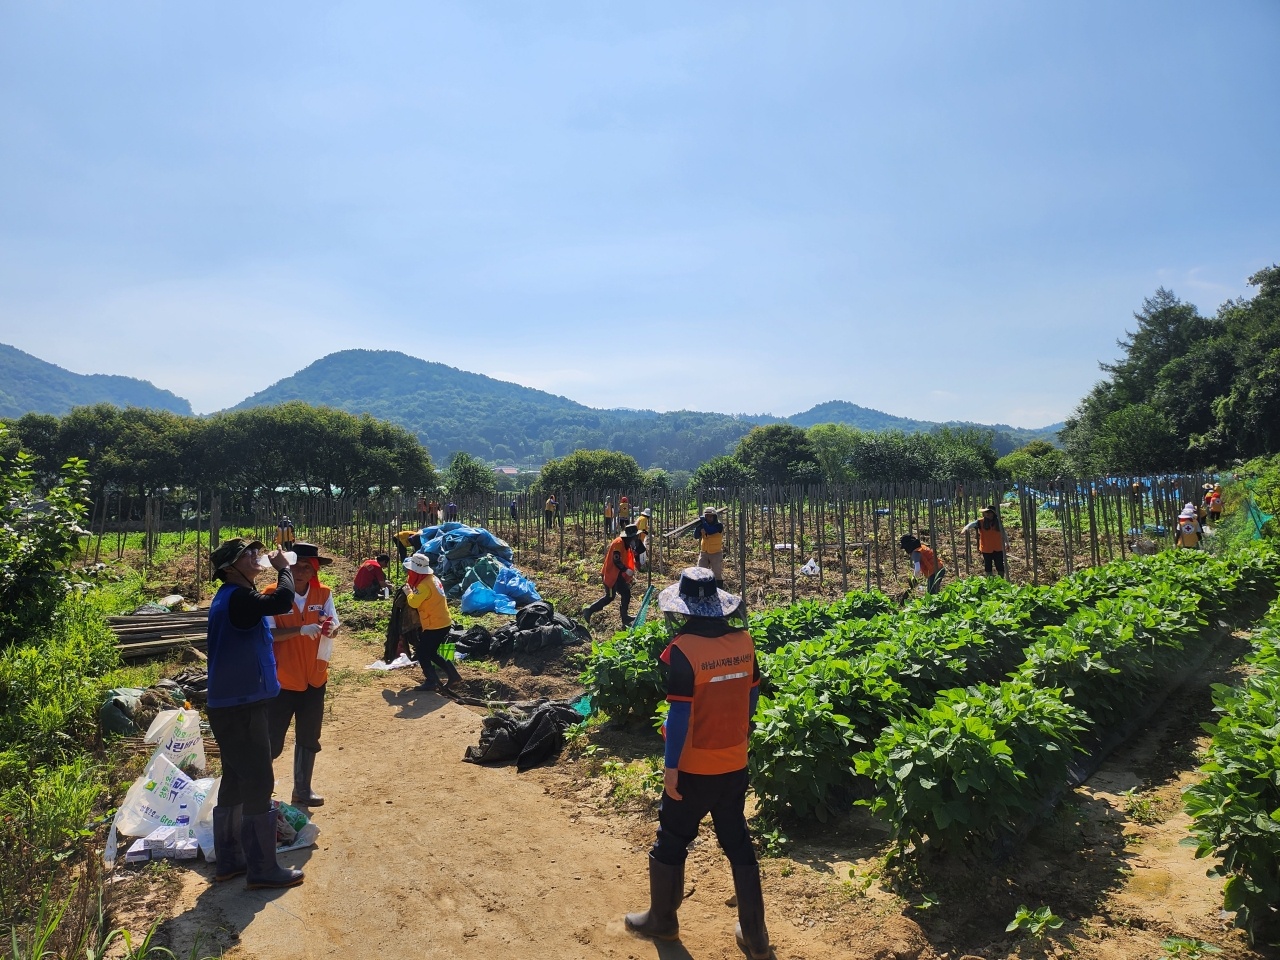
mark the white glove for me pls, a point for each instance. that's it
(309, 630)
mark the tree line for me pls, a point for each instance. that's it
(293, 446)
(1189, 390)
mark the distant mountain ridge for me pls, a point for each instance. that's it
(31, 385)
(451, 409)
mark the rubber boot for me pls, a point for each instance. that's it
(750, 933)
(226, 842)
(258, 837)
(304, 764)
(666, 890)
(451, 675)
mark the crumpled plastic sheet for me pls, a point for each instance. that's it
(396, 664)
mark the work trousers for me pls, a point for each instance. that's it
(934, 583)
(723, 795)
(307, 706)
(550, 515)
(244, 741)
(713, 562)
(620, 589)
(996, 560)
(426, 650)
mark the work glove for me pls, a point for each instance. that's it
(309, 630)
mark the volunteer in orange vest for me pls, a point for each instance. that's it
(303, 645)
(991, 539)
(618, 571)
(924, 563)
(713, 682)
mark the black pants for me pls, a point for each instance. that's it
(307, 706)
(620, 589)
(996, 560)
(244, 740)
(375, 591)
(550, 515)
(723, 795)
(426, 650)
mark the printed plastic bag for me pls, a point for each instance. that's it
(178, 733)
(811, 568)
(155, 800)
(202, 823)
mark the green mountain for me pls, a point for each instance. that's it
(31, 385)
(451, 410)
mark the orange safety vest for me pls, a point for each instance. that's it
(609, 571)
(990, 540)
(720, 709)
(928, 560)
(296, 663)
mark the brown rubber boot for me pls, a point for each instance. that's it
(666, 890)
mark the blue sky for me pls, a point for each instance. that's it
(942, 210)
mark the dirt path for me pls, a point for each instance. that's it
(423, 855)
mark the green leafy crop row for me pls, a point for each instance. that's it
(1235, 809)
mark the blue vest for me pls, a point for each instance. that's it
(242, 665)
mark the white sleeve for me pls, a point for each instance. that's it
(331, 611)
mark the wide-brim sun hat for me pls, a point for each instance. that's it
(1188, 513)
(695, 594)
(419, 563)
(229, 552)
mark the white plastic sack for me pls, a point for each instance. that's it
(810, 568)
(202, 822)
(156, 797)
(178, 734)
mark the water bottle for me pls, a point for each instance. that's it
(183, 824)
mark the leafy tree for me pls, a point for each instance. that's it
(599, 469)
(657, 479)
(835, 446)
(778, 453)
(38, 535)
(724, 472)
(1135, 439)
(467, 476)
(1037, 460)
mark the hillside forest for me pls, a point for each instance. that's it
(1187, 391)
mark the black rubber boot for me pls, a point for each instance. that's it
(226, 842)
(451, 676)
(304, 764)
(258, 837)
(666, 890)
(750, 933)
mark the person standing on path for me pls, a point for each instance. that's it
(242, 683)
(425, 594)
(618, 571)
(642, 542)
(713, 683)
(992, 542)
(303, 647)
(608, 515)
(709, 532)
(924, 562)
(549, 510)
